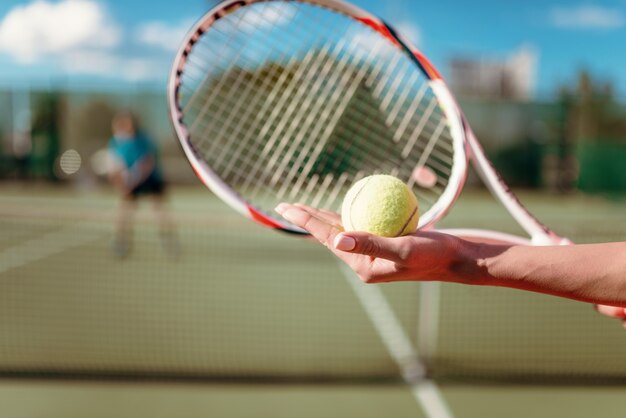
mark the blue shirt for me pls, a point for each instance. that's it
(132, 150)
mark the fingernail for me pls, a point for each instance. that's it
(281, 208)
(344, 243)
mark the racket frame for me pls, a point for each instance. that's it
(466, 146)
(214, 182)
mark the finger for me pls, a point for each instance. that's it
(327, 215)
(612, 311)
(394, 249)
(365, 266)
(322, 230)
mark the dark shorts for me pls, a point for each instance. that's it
(151, 186)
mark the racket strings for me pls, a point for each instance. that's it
(269, 124)
(226, 116)
(292, 193)
(348, 92)
(326, 81)
(390, 95)
(338, 99)
(233, 113)
(305, 117)
(280, 194)
(269, 145)
(225, 39)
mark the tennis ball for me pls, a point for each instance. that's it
(381, 205)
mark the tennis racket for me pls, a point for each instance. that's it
(295, 100)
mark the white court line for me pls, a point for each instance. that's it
(45, 245)
(399, 346)
(428, 318)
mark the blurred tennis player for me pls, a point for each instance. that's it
(135, 172)
(593, 273)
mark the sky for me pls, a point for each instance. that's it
(113, 44)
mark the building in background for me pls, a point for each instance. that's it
(511, 78)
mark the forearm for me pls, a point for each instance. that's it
(592, 273)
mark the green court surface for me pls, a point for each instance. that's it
(247, 322)
(26, 399)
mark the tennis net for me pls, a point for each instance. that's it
(243, 302)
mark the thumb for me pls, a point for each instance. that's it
(394, 249)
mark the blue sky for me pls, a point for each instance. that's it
(114, 43)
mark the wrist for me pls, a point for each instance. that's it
(471, 262)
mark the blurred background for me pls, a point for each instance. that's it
(242, 321)
(542, 85)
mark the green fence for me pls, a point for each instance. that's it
(532, 144)
(602, 167)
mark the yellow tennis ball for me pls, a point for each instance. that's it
(381, 205)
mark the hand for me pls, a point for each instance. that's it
(419, 256)
(431, 255)
(613, 312)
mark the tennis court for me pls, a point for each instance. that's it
(247, 322)
(296, 100)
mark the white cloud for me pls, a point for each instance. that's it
(80, 38)
(261, 16)
(587, 17)
(110, 65)
(162, 35)
(29, 32)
